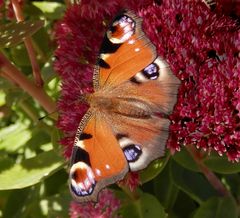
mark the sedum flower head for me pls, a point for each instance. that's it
(106, 207)
(202, 48)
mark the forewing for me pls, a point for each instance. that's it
(125, 51)
(97, 159)
(155, 85)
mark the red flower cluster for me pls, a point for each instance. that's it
(201, 47)
(132, 181)
(106, 206)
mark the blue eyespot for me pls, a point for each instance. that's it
(132, 152)
(151, 71)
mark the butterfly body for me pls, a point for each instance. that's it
(122, 130)
(125, 106)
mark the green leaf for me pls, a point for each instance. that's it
(7, 131)
(14, 137)
(20, 56)
(147, 206)
(47, 71)
(164, 188)
(153, 169)
(14, 95)
(32, 11)
(232, 181)
(217, 208)
(59, 206)
(40, 138)
(24, 206)
(16, 206)
(184, 159)
(30, 171)
(5, 163)
(13, 33)
(150, 207)
(51, 10)
(193, 184)
(222, 165)
(2, 97)
(43, 45)
(184, 206)
(53, 85)
(55, 138)
(55, 182)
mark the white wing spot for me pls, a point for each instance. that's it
(98, 172)
(80, 144)
(131, 41)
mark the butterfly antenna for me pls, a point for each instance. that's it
(84, 98)
(53, 115)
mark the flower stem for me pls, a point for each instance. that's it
(10, 71)
(29, 46)
(7, 77)
(132, 194)
(211, 177)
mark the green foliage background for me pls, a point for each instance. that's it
(33, 173)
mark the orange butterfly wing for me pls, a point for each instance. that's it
(125, 51)
(142, 140)
(155, 85)
(97, 160)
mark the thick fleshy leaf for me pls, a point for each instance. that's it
(30, 171)
(147, 206)
(193, 184)
(153, 169)
(184, 206)
(13, 33)
(233, 181)
(164, 188)
(217, 208)
(185, 160)
(222, 165)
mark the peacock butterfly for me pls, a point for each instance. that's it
(122, 130)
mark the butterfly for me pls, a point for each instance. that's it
(122, 130)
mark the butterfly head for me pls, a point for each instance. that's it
(85, 98)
